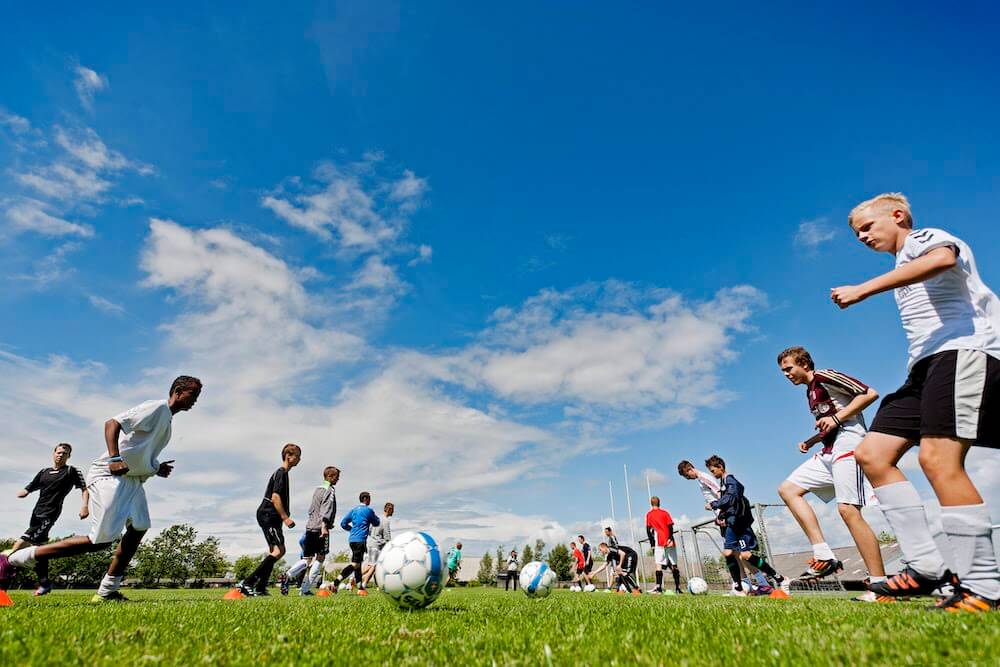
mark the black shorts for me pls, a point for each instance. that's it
(588, 567)
(740, 538)
(954, 394)
(315, 544)
(358, 550)
(629, 563)
(38, 530)
(270, 523)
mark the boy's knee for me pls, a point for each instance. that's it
(864, 455)
(849, 513)
(788, 491)
(745, 555)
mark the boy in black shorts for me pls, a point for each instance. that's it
(949, 403)
(315, 541)
(734, 509)
(623, 561)
(271, 514)
(53, 485)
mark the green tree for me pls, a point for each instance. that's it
(208, 560)
(527, 555)
(501, 562)
(485, 575)
(244, 566)
(561, 562)
(167, 556)
(539, 550)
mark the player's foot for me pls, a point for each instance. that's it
(6, 572)
(362, 592)
(43, 589)
(678, 591)
(737, 593)
(655, 591)
(963, 601)
(113, 596)
(261, 593)
(822, 568)
(784, 583)
(245, 590)
(909, 582)
(306, 593)
(283, 584)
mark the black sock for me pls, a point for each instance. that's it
(345, 573)
(762, 565)
(659, 579)
(262, 574)
(357, 577)
(734, 569)
(42, 570)
(677, 578)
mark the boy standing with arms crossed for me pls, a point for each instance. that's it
(949, 402)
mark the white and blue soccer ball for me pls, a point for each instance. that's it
(411, 571)
(697, 586)
(537, 579)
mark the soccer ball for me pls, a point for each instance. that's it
(589, 588)
(410, 570)
(537, 579)
(697, 586)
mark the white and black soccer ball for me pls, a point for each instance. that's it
(411, 571)
(589, 588)
(537, 579)
(697, 586)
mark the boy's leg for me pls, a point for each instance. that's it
(965, 516)
(127, 547)
(812, 476)
(865, 539)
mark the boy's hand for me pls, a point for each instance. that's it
(804, 447)
(708, 506)
(288, 522)
(165, 469)
(22, 494)
(324, 531)
(826, 424)
(848, 295)
(84, 512)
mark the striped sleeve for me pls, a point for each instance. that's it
(843, 382)
(78, 480)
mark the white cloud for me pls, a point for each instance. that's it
(28, 214)
(814, 233)
(105, 305)
(424, 254)
(51, 268)
(17, 124)
(86, 146)
(87, 84)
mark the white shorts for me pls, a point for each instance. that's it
(835, 475)
(373, 554)
(665, 555)
(116, 502)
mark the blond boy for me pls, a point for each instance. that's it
(949, 402)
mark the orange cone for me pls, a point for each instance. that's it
(233, 594)
(322, 593)
(5, 600)
(636, 591)
(779, 594)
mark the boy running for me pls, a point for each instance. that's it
(711, 491)
(316, 539)
(734, 510)
(949, 402)
(660, 531)
(115, 482)
(53, 485)
(837, 402)
(358, 523)
(273, 511)
(381, 535)
(454, 559)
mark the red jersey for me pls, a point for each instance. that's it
(660, 521)
(829, 392)
(578, 555)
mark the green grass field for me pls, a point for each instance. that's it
(486, 626)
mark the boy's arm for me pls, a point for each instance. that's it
(920, 269)
(374, 520)
(31, 486)
(345, 523)
(280, 508)
(856, 406)
(85, 508)
(727, 499)
(112, 430)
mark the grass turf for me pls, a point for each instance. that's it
(486, 626)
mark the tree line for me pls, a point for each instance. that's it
(558, 558)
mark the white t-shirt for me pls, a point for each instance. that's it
(145, 432)
(954, 310)
(709, 486)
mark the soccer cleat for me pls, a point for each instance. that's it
(283, 584)
(305, 593)
(655, 591)
(737, 593)
(963, 601)
(909, 582)
(246, 590)
(43, 589)
(362, 592)
(678, 591)
(113, 596)
(6, 572)
(821, 568)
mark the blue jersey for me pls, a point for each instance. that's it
(359, 521)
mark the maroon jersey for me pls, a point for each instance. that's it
(831, 391)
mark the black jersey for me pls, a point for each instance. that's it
(620, 552)
(53, 485)
(278, 483)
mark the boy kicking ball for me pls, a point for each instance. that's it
(134, 439)
(837, 402)
(949, 403)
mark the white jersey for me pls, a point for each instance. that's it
(145, 432)
(381, 533)
(954, 310)
(709, 486)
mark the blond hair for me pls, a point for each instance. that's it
(897, 200)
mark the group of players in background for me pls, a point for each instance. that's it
(949, 403)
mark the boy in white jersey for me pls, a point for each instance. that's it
(115, 482)
(949, 402)
(837, 402)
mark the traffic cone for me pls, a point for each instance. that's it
(5, 600)
(233, 594)
(778, 594)
(322, 593)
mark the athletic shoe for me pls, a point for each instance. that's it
(6, 572)
(306, 593)
(909, 582)
(261, 593)
(965, 601)
(43, 589)
(756, 591)
(822, 568)
(655, 591)
(736, 593)
(283, 584)
(678, 591)
(246, 590)
(113, 596)
(362, 592)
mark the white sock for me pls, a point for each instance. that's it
(822, 551)
(23, 557)
(109, 584)
(294, 570)
(970, 533)
(307, 581)
(876, 580)
(941, 540)
(905, 513)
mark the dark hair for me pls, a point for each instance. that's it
(365, 496)
(290, 447)
(654, 501)
(581, 538)
(69, 447)
(799, 355)
(183, 383)
(389, 506)
(684, 465)
(715, 461)
(609, 528)
(604, 544)
(330, 471)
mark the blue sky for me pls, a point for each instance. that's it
(478, 257)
